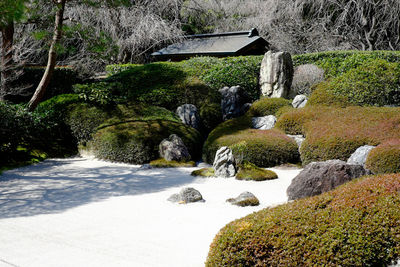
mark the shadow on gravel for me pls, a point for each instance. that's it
(56, 185)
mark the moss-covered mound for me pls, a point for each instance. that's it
(265, 148)
(356, 224)
(162, 163)
(137, 141)
(267, 106)
(204, 172)
(335, 133)
(249, 171)
(385, 158)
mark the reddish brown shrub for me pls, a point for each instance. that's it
(385, 158)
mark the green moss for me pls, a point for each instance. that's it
(204, 172)
(137, 141)
(162, 163)
(267, 106)
(354, 225)
(249, 171)
(385, 158)
(265, 148)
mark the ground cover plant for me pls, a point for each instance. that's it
(204, 172)
(162, 163)
(335, 133)
(264, 148)
(249, 171)
(353, 225)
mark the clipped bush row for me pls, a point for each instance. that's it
(264, 148)
(267, 106)
(137, 142)
(335, 133)
(356, 224)
(385, 158)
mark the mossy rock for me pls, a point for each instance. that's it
(354, 225)
(385, 158)
(204, 172)
(265, 148)
(163, 163)
(137, 142)
(249, 171)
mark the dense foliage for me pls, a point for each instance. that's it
(385, 158)
(264, 148)
(162, 163)
(267, 106)
(353, 225)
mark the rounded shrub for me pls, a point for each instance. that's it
(265, 148)
(267, 106)
(385, 158)
(292, 120)
(354, 225)
(249, 171)
(211, 115)
(321, 95)
(376, 82)
(304, 77)
(137, 142)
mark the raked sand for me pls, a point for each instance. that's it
(85, 212)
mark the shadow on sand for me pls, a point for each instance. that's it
(56, 185)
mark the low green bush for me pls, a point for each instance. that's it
(385, 158)
(137, 142)
(162, 163)
(265, 148)
(335, 133)
(376, 82)
(204, 172)
(354, 225)
(211, 115)
(249, 171)
(321, 95)
(267, 106)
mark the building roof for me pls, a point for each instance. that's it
(221, 44)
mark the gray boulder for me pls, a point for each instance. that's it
(244, 199)
(360, 155)
(264, 123)
(186, 195)
(189, 115)
(234, 103)
(300, 101)
(173, 148)
(276, 74)
(145, 167)
(299, 139)
(224, 163)
(319, 177)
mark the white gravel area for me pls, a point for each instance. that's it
(86, 212)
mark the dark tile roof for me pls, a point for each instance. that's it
(223, 44)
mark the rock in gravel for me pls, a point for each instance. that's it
(264, 123)
(360, 155)
(224, 163)
(244, 199)
(173, 148)
(319, 177)
(186, 195)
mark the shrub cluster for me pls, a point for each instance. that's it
(267, 106)
(335, 133)
(354, 225)
(265, 148)
(137, 141)
(249, 171)
(305, 77)
(385, 158)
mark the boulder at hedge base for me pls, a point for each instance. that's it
(173, 148)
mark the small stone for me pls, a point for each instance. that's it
(299, 139)
(360, 155)
(173, 148)
(264, 123)
(186, 195)
(300, 101)
(244, 199)
(145, 167)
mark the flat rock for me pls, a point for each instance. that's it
(186, 195)
(360, 155)
(264, 123)
(244, 199)
(224, 163)
(319, 177)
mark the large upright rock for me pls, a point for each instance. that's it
(173, 148)
(189, 115)
(276, 74)
(234, 103)
(360, 155)
(224, 163)
(320, 177)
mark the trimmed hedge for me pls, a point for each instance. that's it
(264, 148)
(385, 158)
(248, 171)
(357, 224)
(267, 106)
(137, 142)
(335, 133)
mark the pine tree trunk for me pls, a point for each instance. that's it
(51, 63)
(7, 62)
